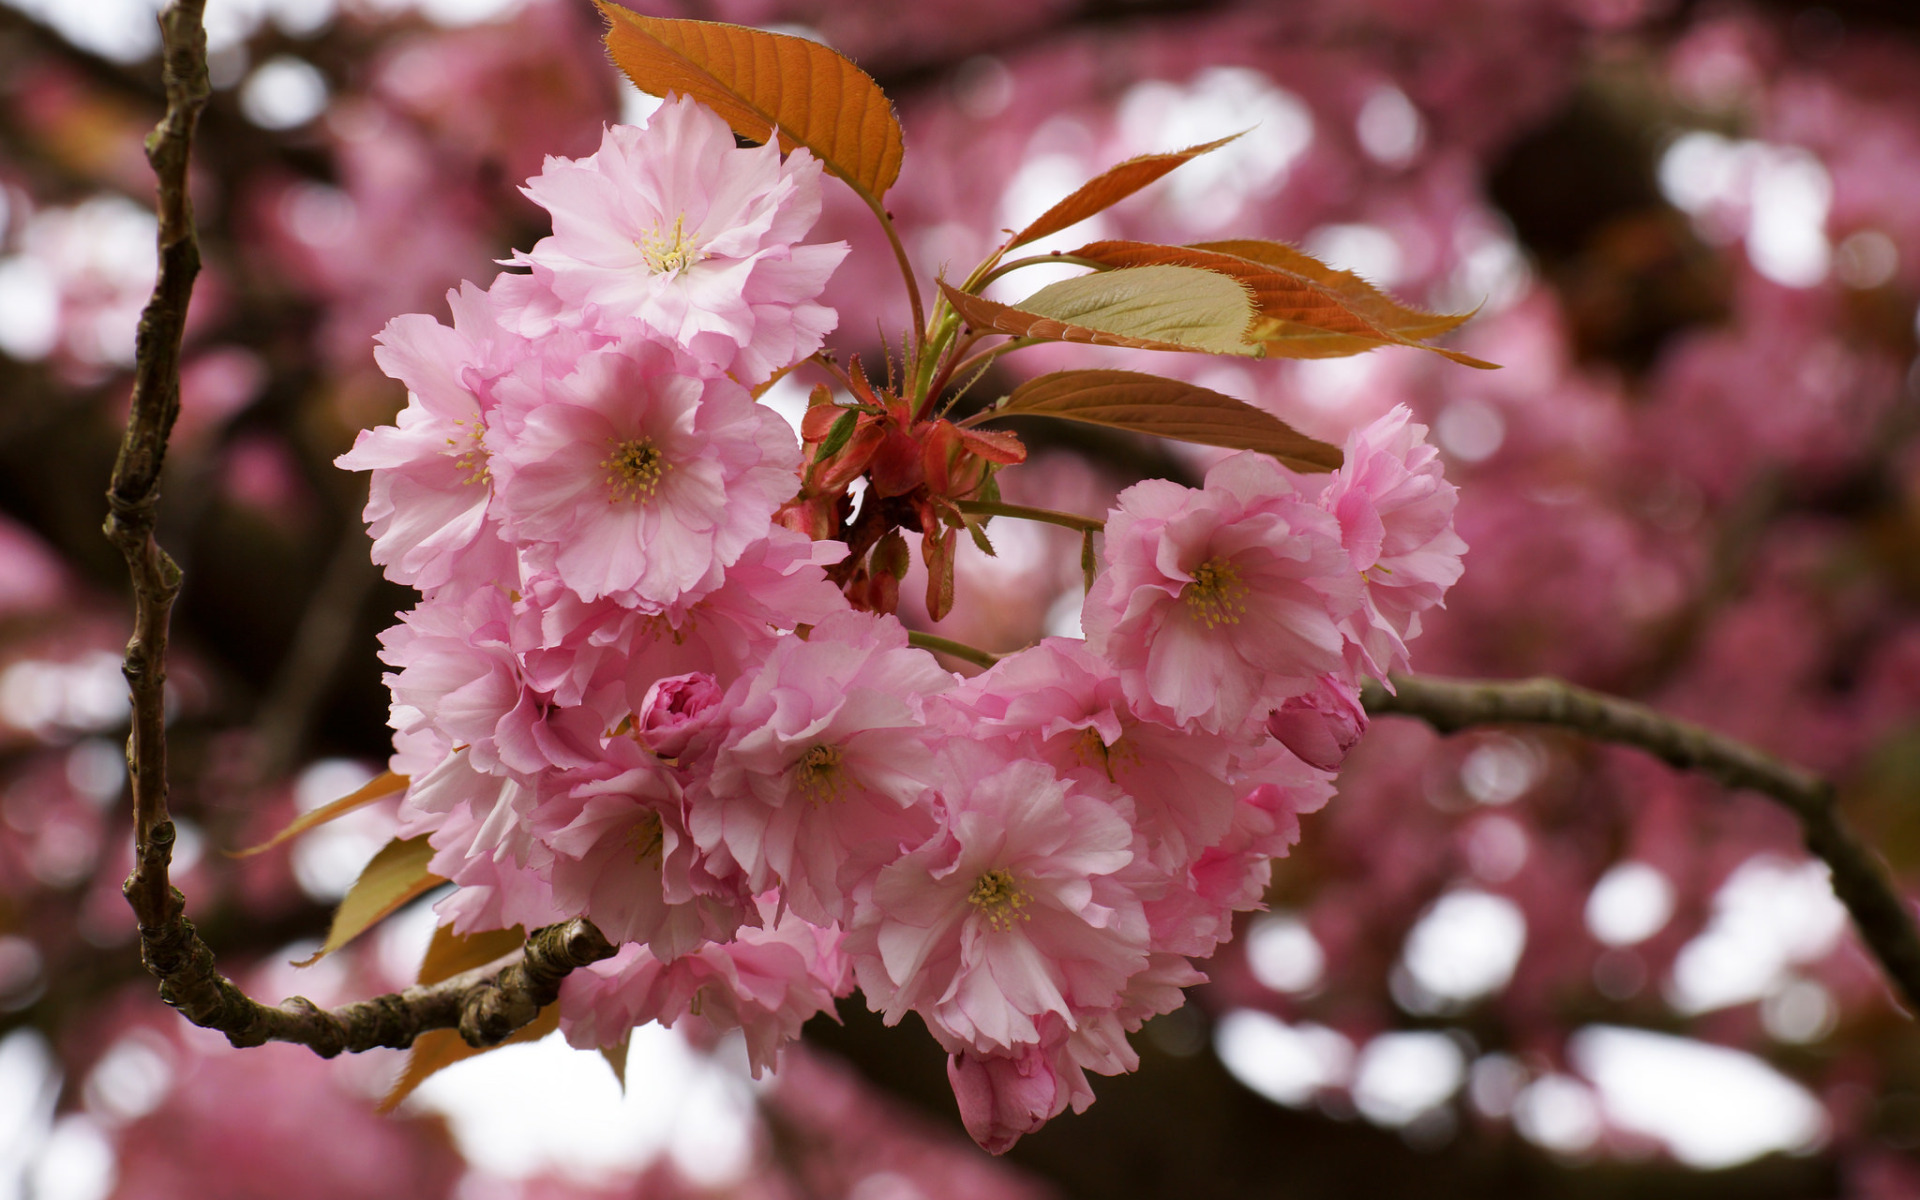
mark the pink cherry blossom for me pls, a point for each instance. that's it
(826, 756)
(1218, 604)
(1003, 1096)
(1010, 912)
(633, 477)
(766, 982)
(1396, 519)
(672, 227)
(622, 857)
(1061, 704)
(677, 711)
(427, 508)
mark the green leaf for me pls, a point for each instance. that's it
(1296, 316)
(384, 784)
(837, 435)
(759, 82)
(1153, 308)
(1357, 294)
(396, 875)
(1109, 188)
(1166, 408)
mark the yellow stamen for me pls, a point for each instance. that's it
(820, 776)
(467, 452)
(669, 252)
(999, 899)
(633, 470)
(1216, 596)
(648, 839)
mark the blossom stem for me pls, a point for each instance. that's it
(1860, 878)
(906, 273)
(1037, 260)
(960, 650)
(993, 508)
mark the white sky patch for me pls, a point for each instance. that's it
(1559, 1113)
(1631, 902)
(121, 30)
(76, 1163)
(53, 699)
(1464, 948)
(1776, 196)
(449, 13)
(327, 859)
(1710, 1106)
(131, 1078)
(1389, 127)
(788, 397)
(29, 309)
(1368, 251)
(1470, 429)
(636, 106)
(1866, 259)
(525, 1110)
(1501, 769)
(1400, 1076)
(29, 1085)
(1332, 384)
(1285, 1063)
(1283, 954)
(1768, 917)
(284, 93)
(1210, 191)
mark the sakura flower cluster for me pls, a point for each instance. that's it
(631, 692)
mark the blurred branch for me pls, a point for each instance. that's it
(307, 672)
(485, 1005)
(1861, 881)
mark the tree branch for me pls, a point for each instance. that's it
(1860, 879)
(486, 1005)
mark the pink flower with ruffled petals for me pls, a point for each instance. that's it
(673, 227)
(1059, 703)
(767, 982)
(427, 505)
(826, 759)
(1396, 517)
(479, 826)
(622, 857)
(1009, 913)
(634, 478)
(1217, 605)
(677, 714)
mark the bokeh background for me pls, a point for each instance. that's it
(1501, 964)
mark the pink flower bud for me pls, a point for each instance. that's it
(676, 711)
(1321, 726)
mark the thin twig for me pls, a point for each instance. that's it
(1860, 879)
(486, 1005)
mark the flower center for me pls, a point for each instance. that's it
(1216, 596)
(467, 452)
(820, 776)
(648, 837)
(999, 899)
(634, 470)
(672, 251)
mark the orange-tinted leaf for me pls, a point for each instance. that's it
(396, 875)
(1298, 318)
(450, 953)
(1110, 187)
(436, 1051)
(1356, 293)
(1155, 308)
(759, 81)
(384, 784)
(1166, 408)
(616, 1056)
